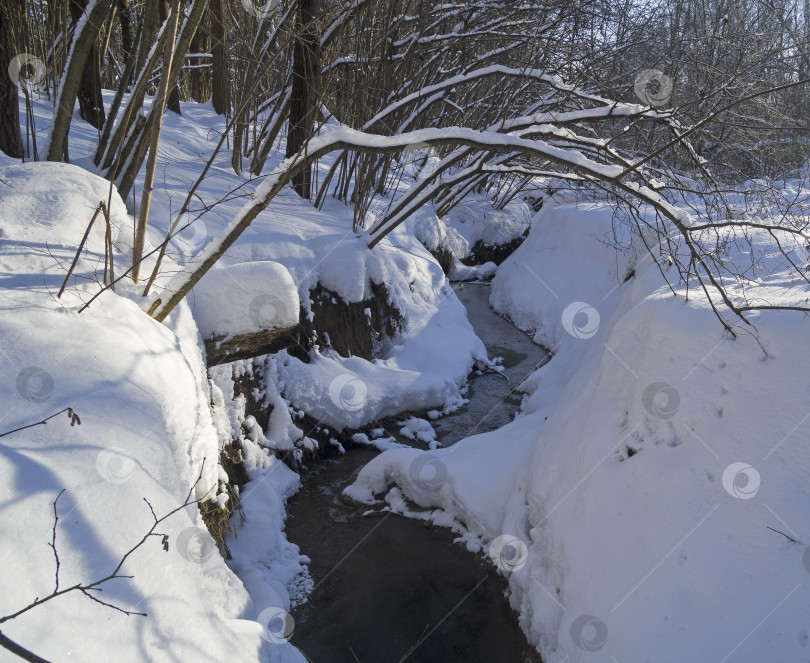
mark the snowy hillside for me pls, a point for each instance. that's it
(630, 504)
(145, 441)
(153, 426)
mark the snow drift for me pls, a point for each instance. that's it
(630, 504)
(146, 434)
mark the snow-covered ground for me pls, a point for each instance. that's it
(151, 421)
(145, 437)
(630, 504)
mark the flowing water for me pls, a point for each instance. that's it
(389, 589)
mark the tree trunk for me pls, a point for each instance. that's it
(82, 44)
(305, 89)
(804, 71)
(220, 81)
(10, 140)
(199, 77)
(151, 164)
(125, 20)
(173, 100)
(151, 23)
(91, 105)
(134, 151)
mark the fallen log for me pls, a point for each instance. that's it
(223, 349)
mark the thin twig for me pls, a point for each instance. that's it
(74, 419)
(791, 539)
(96, 585)
(79, 250)
(52, 544)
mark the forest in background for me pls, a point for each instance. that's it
(655, 103)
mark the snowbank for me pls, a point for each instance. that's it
(244, 298)
(462, 272)
(476, 220)
(472, 221)
(564, 274)
(630, 505)
(422, 368)
(146, 433)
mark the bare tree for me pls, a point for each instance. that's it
(83, 43)
(10, 140)
(220, 84)
(91, 105)
(306, 71)
(663, 104)
(151, 163)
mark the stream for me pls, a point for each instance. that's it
(389, 589)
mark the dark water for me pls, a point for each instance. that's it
(389, 589)
(493, 399)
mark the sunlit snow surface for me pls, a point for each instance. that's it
(148, 428)
(630, 504)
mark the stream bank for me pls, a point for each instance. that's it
(387, 588)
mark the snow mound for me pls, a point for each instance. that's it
(475, 219)
(415, 428)
(462, 272)
(633, 505)
(244, 298)
(146, 434)
(563, 275)
(471, 221)
(45, 210)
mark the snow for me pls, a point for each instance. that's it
(425, 371)
(423, 368)
(379, 443)
(471, 221)
(46, 210)
(415, 428)
(245, 297)
(476, 220)
(461, 272)
(150, 415)
(542, 292)
(146, 433)
(629, 505)
(270, 567)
